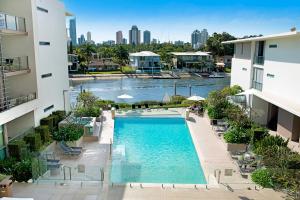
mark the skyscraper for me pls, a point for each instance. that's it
(89, 37)
(119, 37)
(196, 39)
(147, 37)
(204, 36)
(72, 29)
(134, 35)
(81, 40)
(124, 41)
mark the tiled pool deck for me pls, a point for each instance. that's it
(210, 148)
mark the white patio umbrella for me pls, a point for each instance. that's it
(166, 98)
(196, 98)
(125, 96)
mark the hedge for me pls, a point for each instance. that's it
(44, 133)
(48, 121)
(60, 113)
(17, 149)
(34, 141)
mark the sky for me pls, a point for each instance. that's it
(170, 20)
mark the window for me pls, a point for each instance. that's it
(259, 53)
(242, 49)
(46, 75)
(257, 79)
(44, 43)
(244, 69)
(48, 108)
(273, 46)
(42, 9)
(270, 75)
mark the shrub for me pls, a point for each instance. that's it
(22, 171)
(190, 103)
(276, 141)
(259, 133)
(48, 121)
(55, 121)
(60, 113)
(262, 177)
(7, 165)
(34, 141)
(104, 104)
(177, 99)
(238, 135)
(87, 112)
(17, 149)
(68, 132)
(44, 133)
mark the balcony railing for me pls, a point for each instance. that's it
(14, 64)
(259, 60)
(8, 103)
(257, 85)
(12, 23)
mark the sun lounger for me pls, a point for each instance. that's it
(72, 148)
(69, 151)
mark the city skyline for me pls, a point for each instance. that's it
(238, 18)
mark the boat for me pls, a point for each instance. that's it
(216, 75)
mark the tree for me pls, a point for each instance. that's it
(85, 54)
(215, 46)
(86, 99)
(121, 55)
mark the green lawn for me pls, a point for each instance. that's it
(106, 72)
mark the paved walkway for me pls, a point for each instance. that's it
(210, 148)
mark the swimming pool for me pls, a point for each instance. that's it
(154, 150)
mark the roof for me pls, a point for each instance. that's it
(280, 101)
(274, 36)
(143, 53)
(198, 53)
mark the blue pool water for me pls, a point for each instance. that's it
(154, 150)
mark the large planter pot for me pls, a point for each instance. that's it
(6, 187)
(77, 143)
(232, 147)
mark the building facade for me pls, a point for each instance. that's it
(145, 61)
(204, 36)
(119, 37)
(134, 36)
(147, 37)
(188, 60)
(34, 77)
(81, 40)
(196, 39)
(88, 37)
(268, 68)
(72, 30)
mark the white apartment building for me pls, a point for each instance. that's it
(33, 76)
(145, 61)
(268, 69)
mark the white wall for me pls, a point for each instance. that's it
(53, 59)
(284, 63)
(241, 73)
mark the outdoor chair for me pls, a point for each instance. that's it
(146, 106)
(117, 107)
(72, 148)
(139, 106)
(69, 151)
(133, 107)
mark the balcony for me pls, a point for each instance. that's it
(12, 25)
(259, 60)
(257, 85)
(14, 66)
(8, 103)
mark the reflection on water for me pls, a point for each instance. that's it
(147, 89)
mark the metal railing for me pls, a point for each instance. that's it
(8, 103)
(13, 23)
(259, 60)
(257, 85)
(14, 64)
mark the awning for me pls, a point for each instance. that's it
(280, 101)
